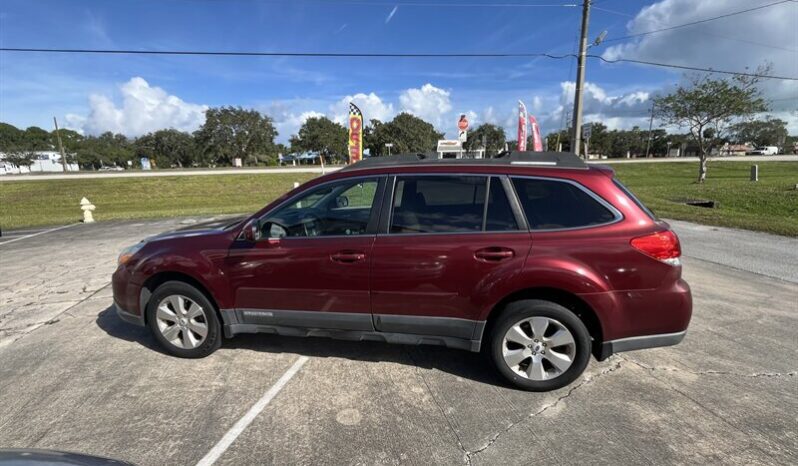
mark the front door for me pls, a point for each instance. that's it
(450, 242)
(311, 267)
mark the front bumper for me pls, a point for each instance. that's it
(608, 348)
(127, 316)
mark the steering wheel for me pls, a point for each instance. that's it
(311, 224)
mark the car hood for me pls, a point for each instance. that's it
(210, 227)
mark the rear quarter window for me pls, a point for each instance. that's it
(553, 204)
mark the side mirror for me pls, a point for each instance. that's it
(251, 231)
(341, 202)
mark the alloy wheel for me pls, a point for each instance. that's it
(538, 348)
(181, 321)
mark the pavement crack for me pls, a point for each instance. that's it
(440, 408)
(23, 331)
(586, 381)
(709, 372)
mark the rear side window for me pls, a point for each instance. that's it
(438, 204)
(634, 199)
(551, 204)
(499, 215)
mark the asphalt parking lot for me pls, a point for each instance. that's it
(74, 377)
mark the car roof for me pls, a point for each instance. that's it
(507, 159)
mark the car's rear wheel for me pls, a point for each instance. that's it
(539, 345)
(183, 320)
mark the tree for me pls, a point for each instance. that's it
(168, 147)
(320, 134)
(768, 132)
(35, 138)
(493, 135)
(11, 138)
(406, 132)
(106, 149)
(20, 158)
(233, 132)
(706, 103)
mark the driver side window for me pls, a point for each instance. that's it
(335, 209)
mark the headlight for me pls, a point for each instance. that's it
(128, 252)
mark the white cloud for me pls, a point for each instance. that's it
(735, 43)
(390, 15)
(371, 105)
(144, 109)
(427, 102)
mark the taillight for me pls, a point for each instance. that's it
(663, 245)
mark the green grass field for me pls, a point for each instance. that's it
(770, 205)
(56, 202)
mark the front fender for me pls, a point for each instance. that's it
(201, 265)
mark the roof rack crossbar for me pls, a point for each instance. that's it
(542, 159)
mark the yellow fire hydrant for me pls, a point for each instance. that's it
(87, 208)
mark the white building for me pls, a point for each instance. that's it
(45, 161)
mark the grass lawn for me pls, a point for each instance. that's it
(768, 205)
(56, 202)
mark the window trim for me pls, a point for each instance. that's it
(371, 226)
(617, 214)
(386, 213)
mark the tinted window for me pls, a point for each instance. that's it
(500, 215)
(552, 204)
(333, 209)
(438, 204)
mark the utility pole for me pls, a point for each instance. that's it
(580, 80)
(650, 126)
(60, 145)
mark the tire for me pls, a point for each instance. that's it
(546, 363)
(178, 314)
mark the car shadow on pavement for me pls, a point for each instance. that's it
(464, 364)
(111, 324)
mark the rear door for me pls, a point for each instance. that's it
(444, 243)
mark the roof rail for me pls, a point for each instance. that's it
(541, 159)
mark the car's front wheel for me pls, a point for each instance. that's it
(183, 320)
(539, 345)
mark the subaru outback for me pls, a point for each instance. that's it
(537, 259)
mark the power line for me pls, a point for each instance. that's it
(378, 55)
(283, 54)
(693, 68)
(692, 23)
(427, 4)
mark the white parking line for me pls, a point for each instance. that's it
(250, 416)
(36, 234)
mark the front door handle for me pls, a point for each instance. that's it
(495, 254)
(348, 257)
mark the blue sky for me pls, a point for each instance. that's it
(135, 94)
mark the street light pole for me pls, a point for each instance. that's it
(580, 80)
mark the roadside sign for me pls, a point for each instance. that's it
(462, 136)
(462, 124)
(587, 130)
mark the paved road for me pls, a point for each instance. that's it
(739, 158)
(314, 169)
(74, 377)
(143, 174)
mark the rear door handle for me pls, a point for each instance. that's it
(348, 257)
(494, 254)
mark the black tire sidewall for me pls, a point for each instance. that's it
(519, 310)
(214, 338)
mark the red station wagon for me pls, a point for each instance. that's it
(535, 258)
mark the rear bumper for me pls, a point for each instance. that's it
(608, 348)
